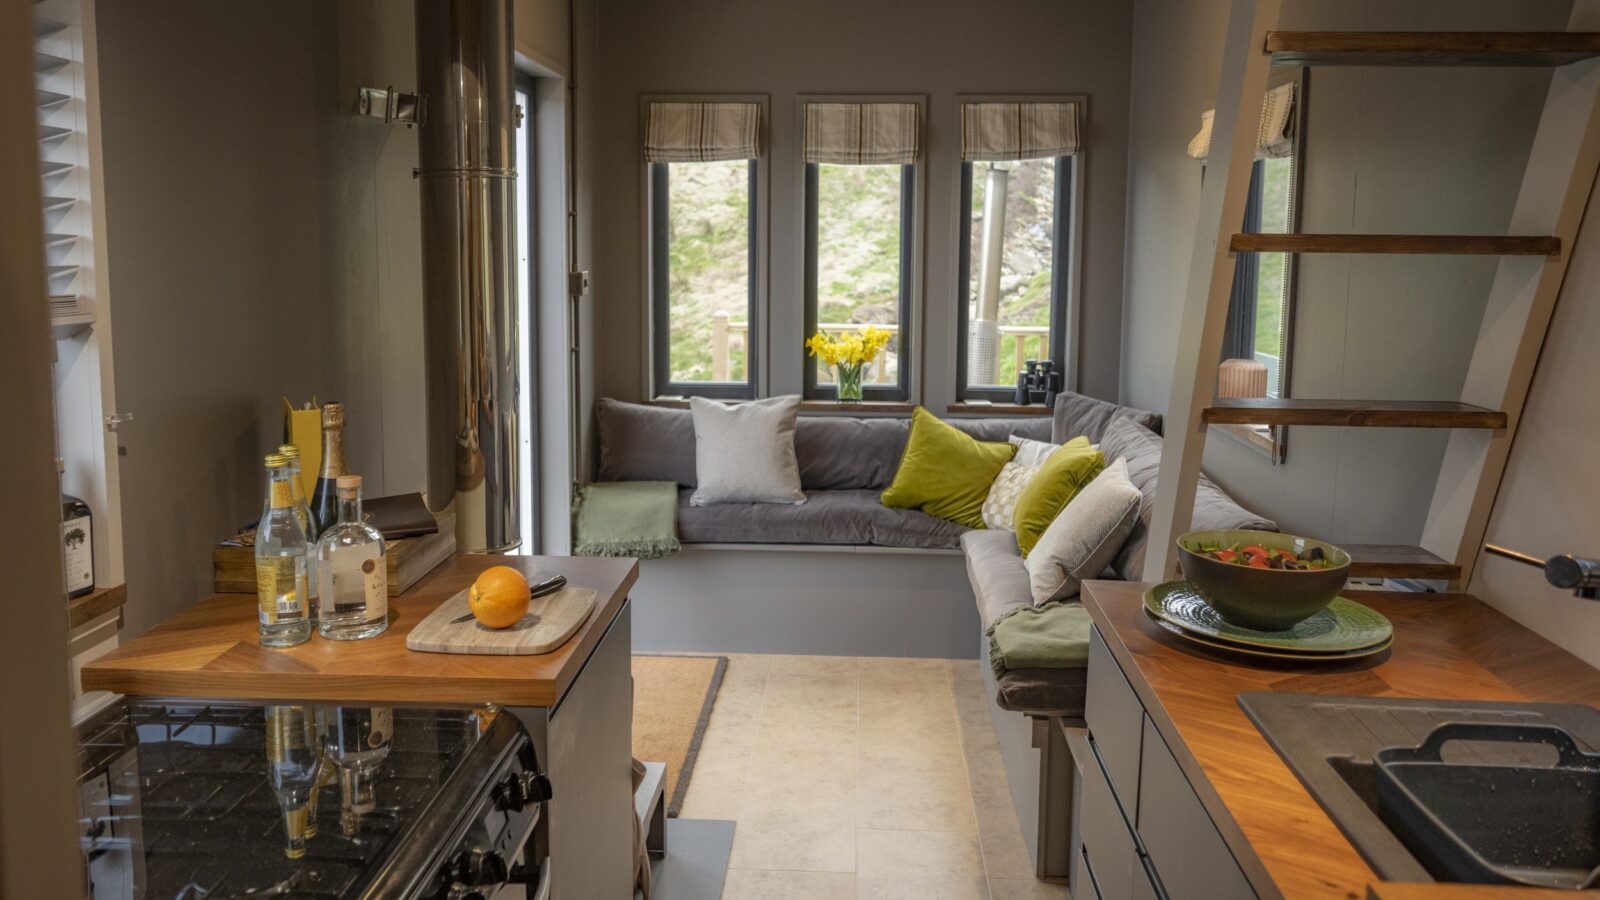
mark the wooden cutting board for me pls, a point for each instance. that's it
(550, 620)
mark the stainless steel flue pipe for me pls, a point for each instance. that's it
(467, 171)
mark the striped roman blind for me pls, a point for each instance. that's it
(702, 132)
(1275, 134)
(1009, 131)
(860, 134)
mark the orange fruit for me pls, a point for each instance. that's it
(499, 597)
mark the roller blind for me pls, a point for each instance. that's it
(702, 132)
(1274, 135)
(1010, 131)
(861, 134)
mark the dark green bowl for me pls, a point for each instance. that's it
(1263, 599)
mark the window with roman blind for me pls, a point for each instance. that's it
(860, 197)
(1019, 200)
(703, 160)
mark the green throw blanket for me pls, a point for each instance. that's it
(628, 518)
(1054, 636)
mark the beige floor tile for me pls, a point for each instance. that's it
(1005, 854)
(779, 839)
(813, 667)
(714, 793)
(914, 797)
(763, 884)
(1026, 889)
(924, 865)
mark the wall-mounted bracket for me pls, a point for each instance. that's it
(391, 105)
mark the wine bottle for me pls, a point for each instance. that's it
(325, 499)
(77, 545)
(352, 575)
(281, 563)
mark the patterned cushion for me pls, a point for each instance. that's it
(1001, 504)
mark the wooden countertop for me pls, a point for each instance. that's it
(211, 650)
(1446, 646)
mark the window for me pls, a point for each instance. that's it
(1014, 232)
(858, 246)
(1261, 281)
(527, 320)
(704, 277)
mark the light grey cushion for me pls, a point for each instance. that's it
(744, 452)
(999, 580)
(1031, 452)
(645, 443)
(1085, 536)
(1077, 414)
(1213, 508)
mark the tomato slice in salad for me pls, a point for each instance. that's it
(1253, 551)
(1227, 556)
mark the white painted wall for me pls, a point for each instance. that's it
(1387, 150)
(1549, 500)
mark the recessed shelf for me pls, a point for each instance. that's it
(44, 99)
(93, 605)
(1351, 413)
(45, 63)
(70, 315)
(60, 271)
(1398, 561)
(1431, 48)
(1470, 245)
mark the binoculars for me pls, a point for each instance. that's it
(1040, 382)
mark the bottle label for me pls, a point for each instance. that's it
(375, 583)
(77, 553)
(281, 588)
(282, 495)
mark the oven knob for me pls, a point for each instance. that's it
(476, 868)
(514, 792)
(536, 788)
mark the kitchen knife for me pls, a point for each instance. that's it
(539, 589)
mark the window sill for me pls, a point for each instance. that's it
(865, 407)
(999, 409)
(1257, 438)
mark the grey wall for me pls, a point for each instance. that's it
(939, 48)
(1549, 500)
(1387, 150)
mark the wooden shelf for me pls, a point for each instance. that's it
(1351, 413)
(1398, 561)
(1432, 48)
(91, 606)
(999, 409)
(1454, 245)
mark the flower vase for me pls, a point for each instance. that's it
(849, 382)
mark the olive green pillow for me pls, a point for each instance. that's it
(945, 472)
(1064, 473)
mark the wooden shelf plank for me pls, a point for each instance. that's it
(1465, 245)
(1430, 48)
(91, 606)
(1398, 561)
(1351, 413)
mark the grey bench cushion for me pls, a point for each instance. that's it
(1077, 414)
(839, 517)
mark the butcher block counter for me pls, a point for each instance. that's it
(212, 649)
(574, 702)
(1193, 733)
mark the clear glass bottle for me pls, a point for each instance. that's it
(326, 772)
(352, 575)
(308, 521)
(281, 563)
(292, 769)
(358, 743)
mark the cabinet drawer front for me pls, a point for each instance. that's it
(1083, 887)
(1187, 853)
(1107, 842)
(1115, 719)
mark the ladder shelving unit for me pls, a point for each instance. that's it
(1557, 181)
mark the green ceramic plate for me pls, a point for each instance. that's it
(1343, 627)
(1296, 655)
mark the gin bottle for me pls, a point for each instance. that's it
(308, 521)
(352, 575)
(292, 769)
(357, 744)
(281, 563)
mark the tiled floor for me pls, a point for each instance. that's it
(874, 779)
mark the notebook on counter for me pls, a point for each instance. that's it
(400, 516)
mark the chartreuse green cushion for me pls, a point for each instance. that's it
(945, 472)
(1065, 472)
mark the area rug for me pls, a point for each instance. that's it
(672, 698)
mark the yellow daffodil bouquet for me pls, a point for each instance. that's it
(849, 355)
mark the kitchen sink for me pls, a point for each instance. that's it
(1449, 791)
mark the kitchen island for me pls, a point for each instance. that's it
(574, 702)
(1188, 793)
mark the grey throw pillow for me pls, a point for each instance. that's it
(1085, 536)
(744, 452)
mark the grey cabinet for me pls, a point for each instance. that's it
(1145, 835)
